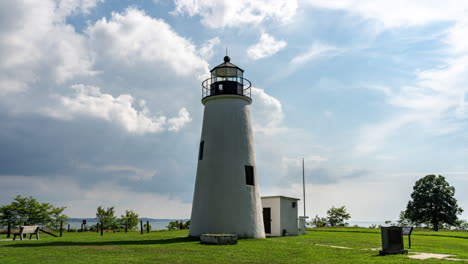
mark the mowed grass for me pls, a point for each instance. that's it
(176, 247)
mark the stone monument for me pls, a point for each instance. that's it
(392, 241)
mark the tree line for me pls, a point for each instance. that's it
(28, 211)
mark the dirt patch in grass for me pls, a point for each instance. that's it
(420, 255)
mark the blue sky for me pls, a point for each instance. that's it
(100, 100)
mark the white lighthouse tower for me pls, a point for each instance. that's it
(226, 198)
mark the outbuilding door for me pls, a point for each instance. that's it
(267, 219)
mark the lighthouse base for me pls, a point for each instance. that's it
(218, 239)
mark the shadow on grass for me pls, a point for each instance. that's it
(107, 243)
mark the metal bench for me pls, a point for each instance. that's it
(32, 230)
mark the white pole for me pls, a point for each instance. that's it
(303, 186)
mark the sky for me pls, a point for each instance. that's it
(100, 100)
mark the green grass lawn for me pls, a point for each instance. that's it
(175, 247)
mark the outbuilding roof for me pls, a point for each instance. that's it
(280, 196)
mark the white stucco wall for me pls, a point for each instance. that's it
(283, 215)
(289, 216)
(223, 202)
(274, 205)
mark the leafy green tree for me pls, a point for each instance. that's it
(147, 226)
(187, 224)
(319, 221)
(129, 219)
(106, 217)
(461, 224)
(337, 216)
(433, 202)
(173, 225)
(28, 211)
(403, 220)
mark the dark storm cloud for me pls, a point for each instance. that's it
(90, 151)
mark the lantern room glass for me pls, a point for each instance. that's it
(227, 74)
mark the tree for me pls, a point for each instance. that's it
(433, 203)
(187, 224)
(319, 221)
(106, 217)
(147, 226)
(337, 216)
(403, 220)
(28, 211)
(129, 220)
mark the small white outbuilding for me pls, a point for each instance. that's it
(280, 216)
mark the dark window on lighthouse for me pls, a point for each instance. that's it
(249, 175)
(200, 151)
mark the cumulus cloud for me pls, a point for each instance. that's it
(68, 7)
(206, 50)
(219, 14)
(266, 47)
(134, 37)
(90, 101)
(267, 113)
(30, 51)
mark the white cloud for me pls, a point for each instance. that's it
(219, 14)
(31, 52)
(315, 51)
(267, 113)
(90, 101)
(177, 123)
(135, 38)
(373, 136)
(266, 47)
(206, 50)
(399, 13)
(436, 100)
(68, 7)
(312, 161)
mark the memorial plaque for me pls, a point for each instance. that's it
(392, 241)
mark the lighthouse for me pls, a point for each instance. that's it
(226, 198)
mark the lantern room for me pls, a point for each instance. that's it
(226, 79)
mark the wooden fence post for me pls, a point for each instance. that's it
(102, 227)
(147, 227)
(126, 225)
(141, 226)
(68, 228)
(61, 228)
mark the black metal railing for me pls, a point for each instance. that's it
(226, 85)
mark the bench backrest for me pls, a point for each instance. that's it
(29, 229)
